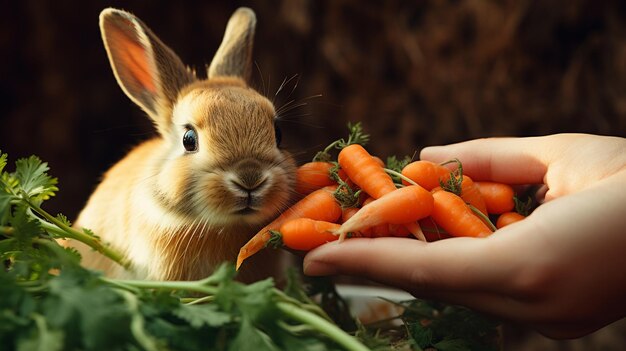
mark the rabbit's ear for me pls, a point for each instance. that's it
(234, 56)
(147, 70)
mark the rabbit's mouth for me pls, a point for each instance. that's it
(246, 211)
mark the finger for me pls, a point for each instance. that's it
(510, 160)
(459, 264)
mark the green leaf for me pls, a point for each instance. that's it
(92, 314)
(357, 136)
(90, 232)
(8, 189)
(3, 161)
(71, 255)
(33, 179)
(422, 336)
(7, 246)
(44, 340)
(251, 338)
(201, 315)
(24, 227)
(5, 200)
(61, 217)
(254, 301)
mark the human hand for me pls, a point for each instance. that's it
(560, 270)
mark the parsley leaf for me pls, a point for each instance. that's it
(34, 182)
(201, 315)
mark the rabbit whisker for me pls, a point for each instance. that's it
(284, 84)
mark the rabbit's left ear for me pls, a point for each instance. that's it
(234, 56)
(148, 71)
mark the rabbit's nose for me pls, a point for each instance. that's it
(249, 175)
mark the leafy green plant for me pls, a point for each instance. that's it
(50, 302)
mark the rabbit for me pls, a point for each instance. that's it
(183, 202)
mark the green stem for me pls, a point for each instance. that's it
(483, 217)
(191, 286)
(312, 307)
(324, 155)
(195, 301)
(137, 323)
(33, 286)
(64, 230)
(119, 285)
(332, 146)
(400, 175)
(321, 325)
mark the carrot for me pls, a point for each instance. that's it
(351, 211)
(401, 206)
(348, 212)
(508, 218)
(316, 175)
(472, 195)
(451, 213)
(426, 173)
(498, 196)
(312, 176)
(379, 161)
(364, 171)
(318, 205)
(400, 230)
(368, 174)
(380, 231)
(306, 234)
(386, 229)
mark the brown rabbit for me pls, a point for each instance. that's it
(183, 202)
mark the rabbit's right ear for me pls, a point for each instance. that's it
(147, 70)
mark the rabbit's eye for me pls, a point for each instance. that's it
(190, 140)
(278, 134)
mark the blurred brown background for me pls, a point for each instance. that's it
(416, 73)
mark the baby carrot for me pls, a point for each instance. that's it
(312, 176)
(426, 173)
(347, 213)
(318, 205)
(316, 175)
(306, 234)
(508, 218)
(498, 196)
(401, 206)
(451, 213)
(379, 161)
(399, 230)
(380, 230)
(472, 195)
(365, 171)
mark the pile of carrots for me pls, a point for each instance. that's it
(359, 196)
